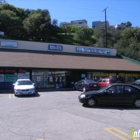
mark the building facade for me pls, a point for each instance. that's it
(99, 24)
(51, 65)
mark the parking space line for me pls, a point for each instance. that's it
(41, 94)
(113, 131)
(11, 95)
(65, 93)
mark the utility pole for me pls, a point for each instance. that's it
(105, 28)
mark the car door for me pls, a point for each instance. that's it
(110, 96)
(129, 94)
(79, 85)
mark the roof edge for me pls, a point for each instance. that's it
(130, 60)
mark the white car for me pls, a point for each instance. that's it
(24, 87)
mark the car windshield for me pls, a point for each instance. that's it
(90, 81)
(102, 89)
(24, 83)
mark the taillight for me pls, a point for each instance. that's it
(89, 85)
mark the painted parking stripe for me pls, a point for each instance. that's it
(11, 95)
(114, 131)
(41, 94)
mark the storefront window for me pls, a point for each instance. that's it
(38, 78)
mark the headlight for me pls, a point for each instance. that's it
(32, 90)
(82, 96)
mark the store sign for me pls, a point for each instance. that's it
(55, 47)
(1, 77)
(93, 50)
(1, 71)
(10, 44)
(10, 77)
(10, 71)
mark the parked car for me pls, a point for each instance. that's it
(24, 87)
(116, 94)
(136, 83)
(85, 85)
(105, 82)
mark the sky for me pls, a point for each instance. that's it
(117, 11)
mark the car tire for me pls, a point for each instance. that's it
(137, 103)
(84, 89)
(91, 102)
(74, 88)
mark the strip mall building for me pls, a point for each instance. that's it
(51, 65)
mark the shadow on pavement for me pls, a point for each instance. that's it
(116, 107)
(28, 96)
(7, 91)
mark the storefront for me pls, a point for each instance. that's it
(60, 65)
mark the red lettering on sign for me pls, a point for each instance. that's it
(1, 71)
(22, 70)
(10, 71)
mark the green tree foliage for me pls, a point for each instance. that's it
(38, 25)
(129, 44)
(83, 36)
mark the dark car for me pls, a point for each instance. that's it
(136, 83)
(86, 85)
(115, 94)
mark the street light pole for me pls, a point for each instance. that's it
(105, 28)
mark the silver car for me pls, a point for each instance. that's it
(24, 87)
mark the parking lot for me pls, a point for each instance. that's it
(58, 115)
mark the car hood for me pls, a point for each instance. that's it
(24, 87)
(91, 93)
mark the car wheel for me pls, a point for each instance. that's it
(74, 88)
(91, 102)
(137, 103)
(84, 89)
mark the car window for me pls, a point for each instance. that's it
(24, 83)
(81, 82)
(90, 81)
(129, 89)
(104, 80)
(115, 89)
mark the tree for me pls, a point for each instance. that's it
(38, 24)
(9, 23)
(83, 36)
(54, 22)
